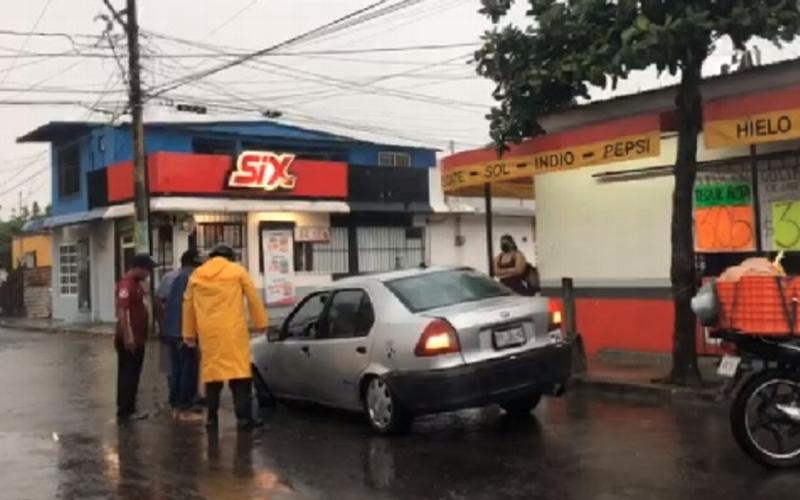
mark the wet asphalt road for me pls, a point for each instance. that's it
(58, 439)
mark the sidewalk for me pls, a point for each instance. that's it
(635, 373)
(55, 326)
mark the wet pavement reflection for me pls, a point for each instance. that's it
(58, 439)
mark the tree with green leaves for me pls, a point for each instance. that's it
(573, 45)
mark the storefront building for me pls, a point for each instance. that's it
(603, 189)
(300, 207)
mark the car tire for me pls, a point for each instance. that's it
(263, 394)
(522, 406)
(385, 414)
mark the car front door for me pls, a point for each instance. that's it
(341, 349)
(291, 370)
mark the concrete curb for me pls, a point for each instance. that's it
(666, 393)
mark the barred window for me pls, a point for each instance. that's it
(231, 233)
(68, 269)
(394, 159)
(323, 258)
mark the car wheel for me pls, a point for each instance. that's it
(263, 394)
(384, 413)
(521, 406)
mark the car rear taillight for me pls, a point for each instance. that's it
(556, 320)
(439, 337)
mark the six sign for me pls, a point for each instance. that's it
(263, 170)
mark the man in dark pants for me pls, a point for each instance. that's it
(214, 314)
(183, 359)
(131, 334)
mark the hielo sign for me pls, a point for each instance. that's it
(263, 170)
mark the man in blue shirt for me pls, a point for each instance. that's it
(183, 359)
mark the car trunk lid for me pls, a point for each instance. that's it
(497, 327)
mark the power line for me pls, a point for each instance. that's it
(25, 41)
(345, 20)
(230, 19)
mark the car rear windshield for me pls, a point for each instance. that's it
(445, 288)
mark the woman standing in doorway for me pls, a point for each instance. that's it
(511, 267)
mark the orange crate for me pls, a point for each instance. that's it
(755, 305)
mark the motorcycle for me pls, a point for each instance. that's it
(764, 376)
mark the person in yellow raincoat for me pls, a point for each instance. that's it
(214, 315)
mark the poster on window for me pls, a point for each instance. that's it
(278, 266)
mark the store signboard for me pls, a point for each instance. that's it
(725, 229)
(615, 141)
(278, 266)
(753, 129)
(263, 170)
(759, 118)
(553, 160)
(779, 183)
(722, 195)
(724, 218)
(786, 225)
(310, 234)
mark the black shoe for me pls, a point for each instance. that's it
(249, 424)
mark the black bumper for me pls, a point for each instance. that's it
(543, 370)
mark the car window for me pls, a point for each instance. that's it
(350, 315)
(303, 321)
(427, 291)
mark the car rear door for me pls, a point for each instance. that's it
(340, 352)
(291, 372)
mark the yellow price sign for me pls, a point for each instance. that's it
(786, 225)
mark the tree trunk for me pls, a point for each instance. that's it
(682, 273)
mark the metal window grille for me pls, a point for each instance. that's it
(324, 258)
(394, 159)
(231, 233)
(68, 269)
(389, 248)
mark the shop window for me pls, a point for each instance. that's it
(323, 258)
(394, 159)
(213, 147)
(231, 233)
(69, 171)
(389, 248)
(68, 269)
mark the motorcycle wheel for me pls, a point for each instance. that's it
(762, 430)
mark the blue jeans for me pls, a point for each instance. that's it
(183, 374)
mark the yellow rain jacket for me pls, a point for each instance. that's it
(213, 311)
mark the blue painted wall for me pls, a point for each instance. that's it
(106, 145)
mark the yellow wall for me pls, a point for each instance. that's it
(42, 244)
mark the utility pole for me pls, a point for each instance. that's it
(141, 195)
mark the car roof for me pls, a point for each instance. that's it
(389, 276)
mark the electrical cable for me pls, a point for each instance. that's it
(25, 41)
(345, 20)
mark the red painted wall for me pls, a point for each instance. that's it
(628, 324)
(191, 174)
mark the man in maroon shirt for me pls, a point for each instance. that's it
(131, 334)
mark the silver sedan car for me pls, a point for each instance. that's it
(414, 342)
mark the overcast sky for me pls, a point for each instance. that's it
(428, 97)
